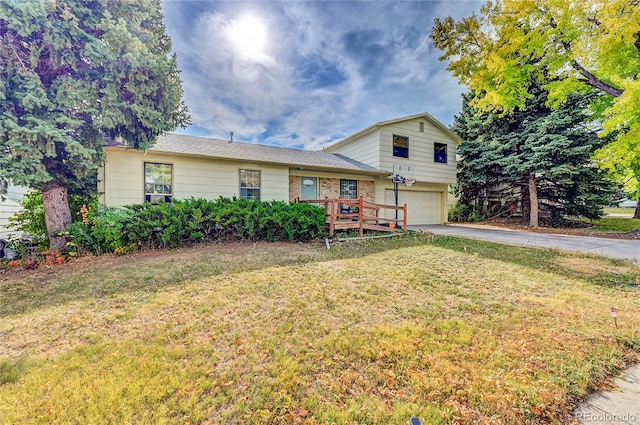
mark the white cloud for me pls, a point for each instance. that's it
(306, 73)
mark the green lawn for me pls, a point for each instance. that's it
(446, 329)
(616, 224)
(619, 211)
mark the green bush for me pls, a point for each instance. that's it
(30, 219)
(465, 213)
(103, 231)
(185, 222)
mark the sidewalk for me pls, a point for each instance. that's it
(616, 407)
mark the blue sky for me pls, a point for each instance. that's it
(305, 74)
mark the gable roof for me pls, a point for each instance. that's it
(224, 149)
(424, 115)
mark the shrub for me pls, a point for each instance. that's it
(102, 231)
(465, 213)
(185, 222)
(30, 219)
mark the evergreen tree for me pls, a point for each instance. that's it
(481, 170)
(531, 155)
(72, 74)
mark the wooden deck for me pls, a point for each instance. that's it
(359, 214)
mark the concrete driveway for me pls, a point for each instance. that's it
(615, 248)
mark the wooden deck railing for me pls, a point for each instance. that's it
(359, 214)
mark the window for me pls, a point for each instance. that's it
(440, 152)
(250, 184)
(348, 189)
(421, 127)
(401, 146)
(157, 182)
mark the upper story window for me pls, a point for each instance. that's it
(157, 182)
(348, 189)
(401, 146)
(250, 184)
(440, 152)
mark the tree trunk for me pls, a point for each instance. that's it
(533, 201)
(57, 214)
(637, 213)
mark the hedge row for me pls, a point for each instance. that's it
(185, 222)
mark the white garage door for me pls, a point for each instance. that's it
(422, 207)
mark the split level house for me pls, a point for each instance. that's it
(362, 165)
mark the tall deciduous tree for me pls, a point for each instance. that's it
(568, 46)
(72, 74)
(532, 155)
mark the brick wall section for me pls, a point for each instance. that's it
(330, 188)
(367, 189)
(294, 188)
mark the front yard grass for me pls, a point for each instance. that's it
(446, 329)
(617, 211)
(616, 224)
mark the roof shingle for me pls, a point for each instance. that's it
(224, 149)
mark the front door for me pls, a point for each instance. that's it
(309, 189)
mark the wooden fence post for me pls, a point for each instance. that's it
(360, 214)
(405, 217)
(332, 224)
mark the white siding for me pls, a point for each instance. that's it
(375, 148)
(365, 149)
(9, 207)
(192, 177)
(16, 193)
(421, 151)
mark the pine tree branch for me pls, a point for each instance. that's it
(17, 55)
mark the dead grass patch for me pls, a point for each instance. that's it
(596, 266)
(312, 336)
